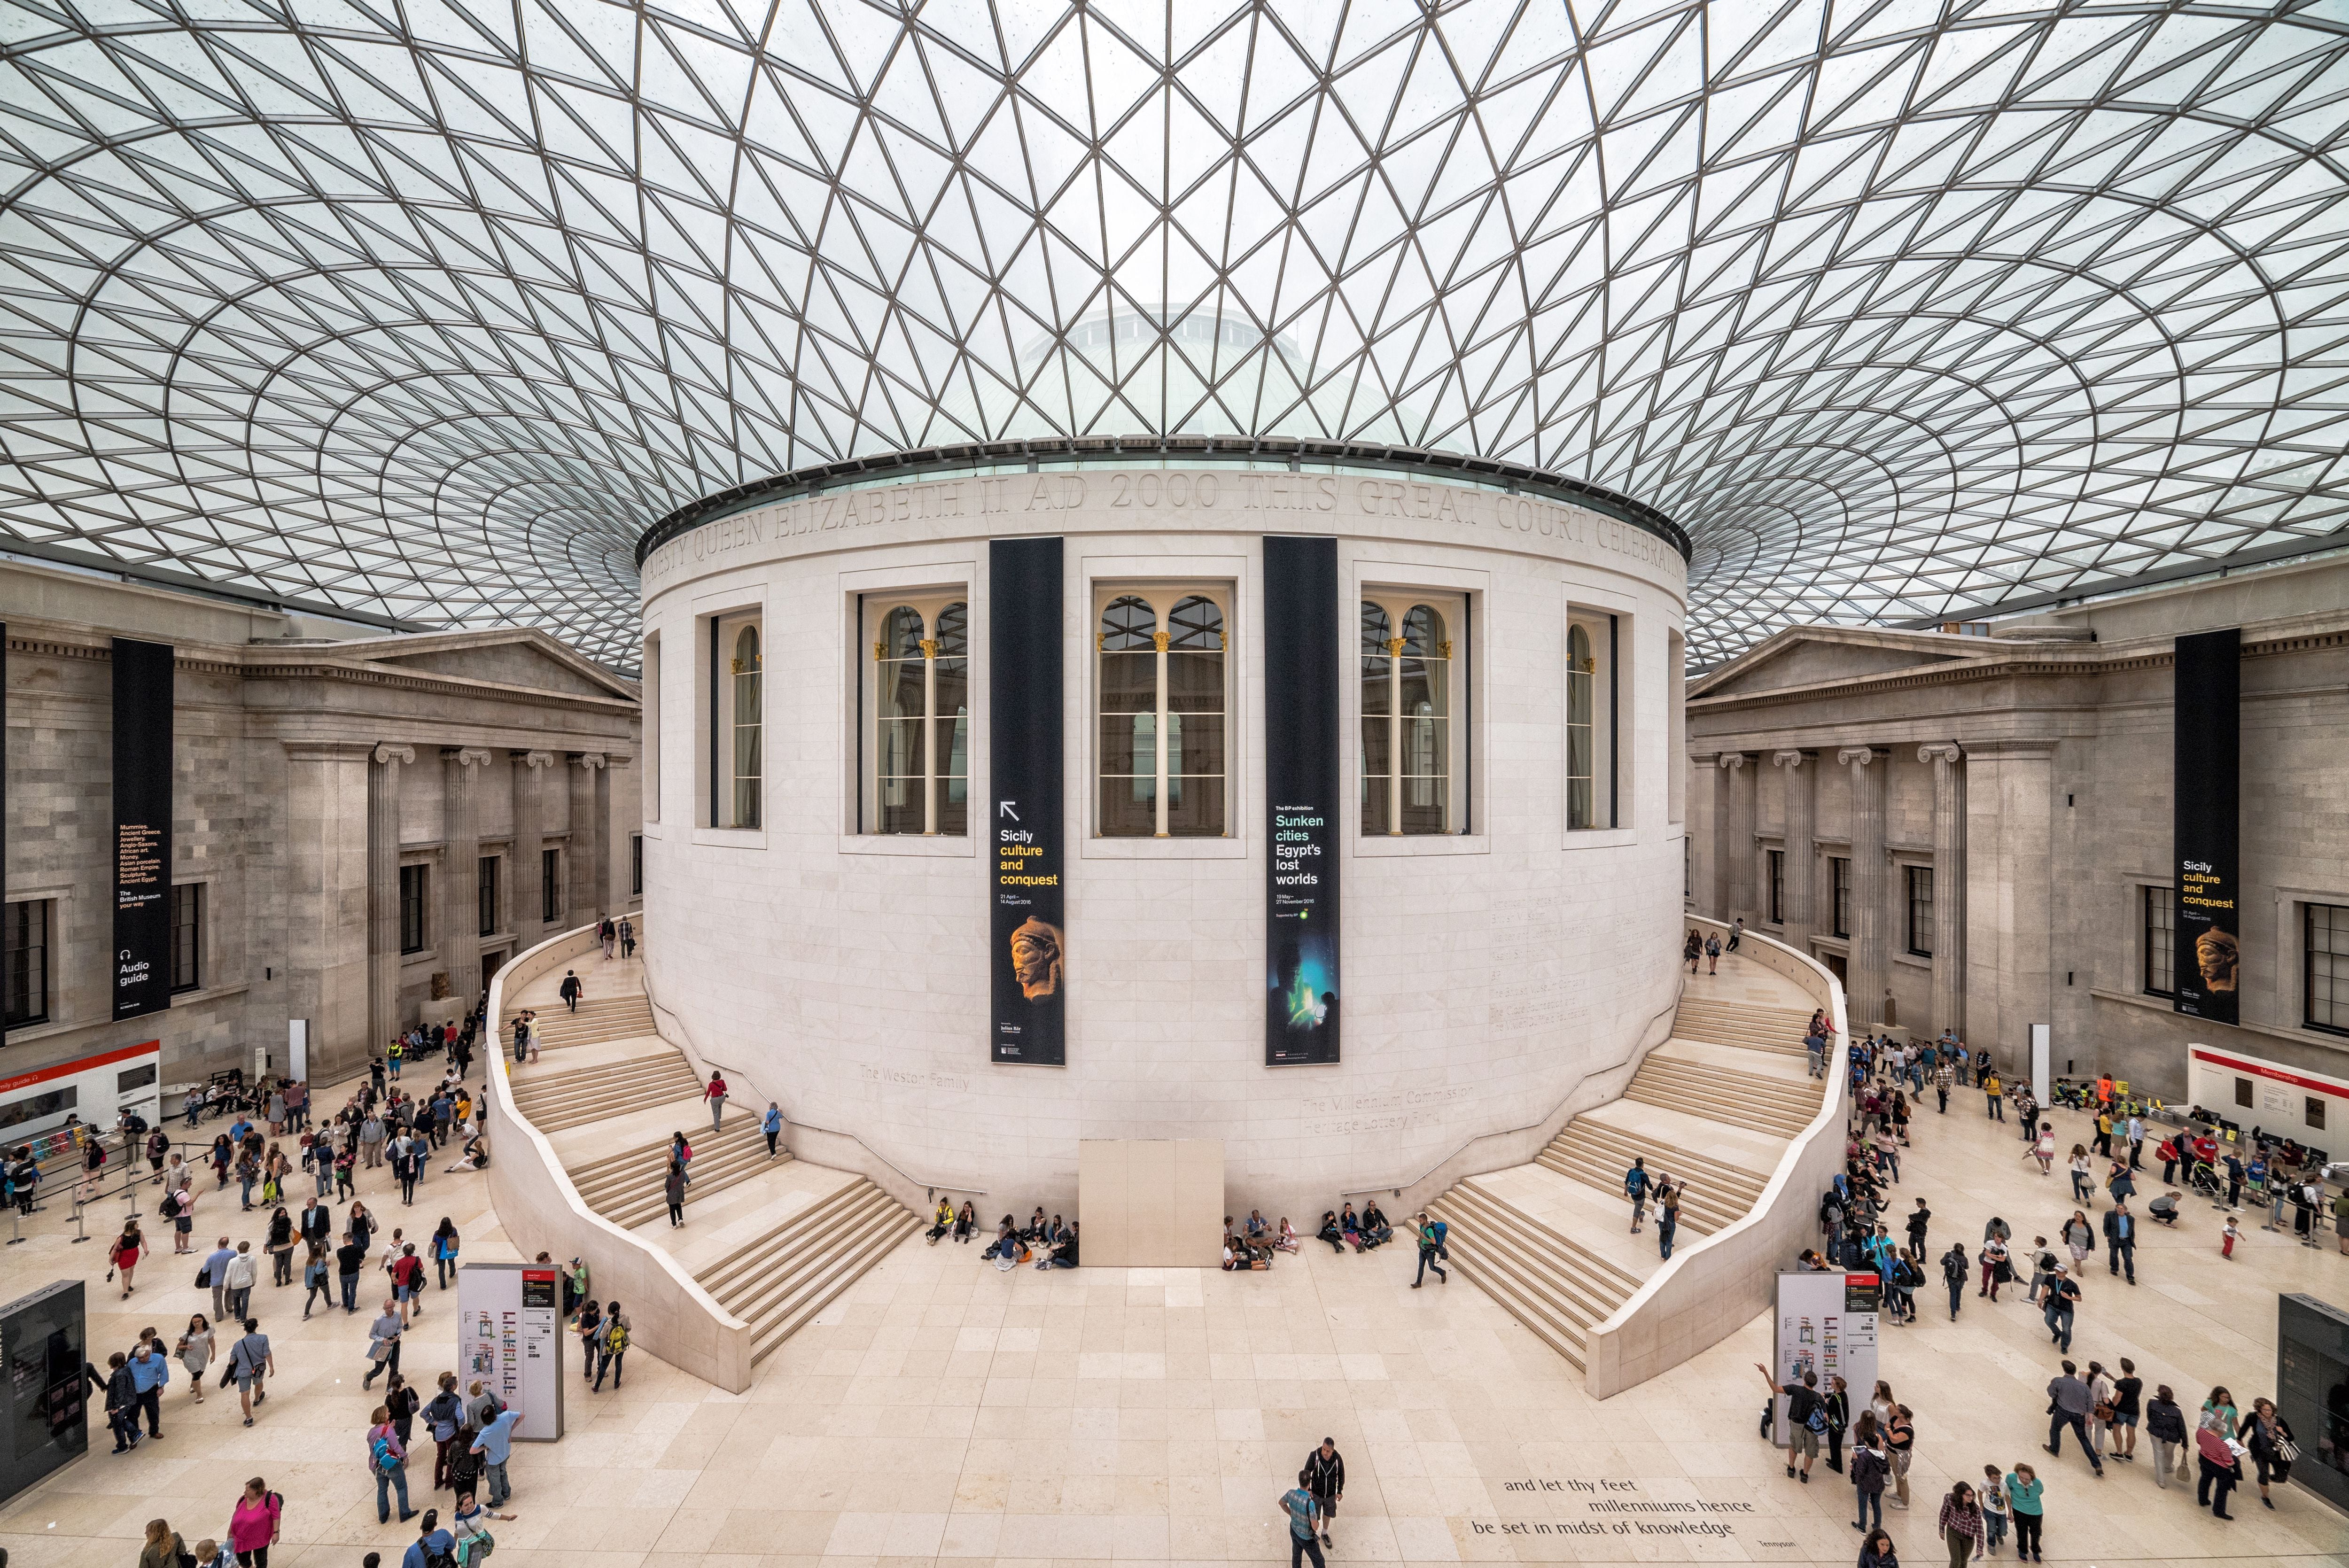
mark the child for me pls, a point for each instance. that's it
(1993, 1507)
(2227, 1238)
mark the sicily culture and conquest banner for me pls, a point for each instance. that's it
(1028, 934)
(2205, 774)
(1303, 778)
(142, 828)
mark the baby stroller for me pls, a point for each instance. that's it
(2204, 1178)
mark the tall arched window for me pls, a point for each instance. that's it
(920, 780)
(748, 761)
(1162, 757)
(1590, 708)
(1409, 742)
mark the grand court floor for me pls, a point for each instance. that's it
(945, 1412)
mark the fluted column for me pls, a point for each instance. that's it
(1802, 826)
(460, 877)
(1871, 951)
(383, 890)
(528, 838)
(1734, 842)
(611, 794)
(1949, 886)
(584, 898)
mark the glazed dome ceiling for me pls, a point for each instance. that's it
(426, 308)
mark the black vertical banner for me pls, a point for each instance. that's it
(142, 828)
(1302, 779)
(1028, 943)
(2205, 784)
(4, 787)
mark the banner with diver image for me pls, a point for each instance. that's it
(2205, 781)
(1303, 778)
(1027, 940)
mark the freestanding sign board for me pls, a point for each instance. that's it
(43, 1344)
(510, 1334)
(2313, 1392)
(1825, 1324)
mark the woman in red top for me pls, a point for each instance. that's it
(253, 1528)
(716, 1094)
(128, 1248)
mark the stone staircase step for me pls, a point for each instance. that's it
(1792, 1095)
(1603, 1137)
(780, 1281)
(1776, 1126)
(631, 1203)
(1702, 1210)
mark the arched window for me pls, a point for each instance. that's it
(748, 760)
(1162, 755)
(921, 719)
(1589, 793)
(1409, 742)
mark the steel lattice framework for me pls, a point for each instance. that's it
(426, 308)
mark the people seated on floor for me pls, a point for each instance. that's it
(1062, 1251)
(474, 1156)
(1287, 1241)
(1375, 1229)
(1329, 1232)
(1350, 1225)
(944, 1218)
(1257, 1230)
(1006, 1243)
(965, 1221)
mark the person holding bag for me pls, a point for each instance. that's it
(163, 1548)
(2220, 1470)
(2269, 1437)
(2166, 1424)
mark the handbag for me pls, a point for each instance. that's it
(2286, 1449)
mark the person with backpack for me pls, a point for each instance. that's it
(612, 1346)
(434, 1547)
(1324, 1476)
(1635, 1187)
(254, 1526)
(388, 1461)
(1806, 1420)
(1869, 1469)
(1302, 1510)
(571, 990)
(494, 1445)
(250, 1360)
(444, 1415)
(1956, 1268)
(470, 1526)
(1431, 1247)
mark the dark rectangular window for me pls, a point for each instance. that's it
(637, 862)
(2160, 942)
(2243, 1092)
(2315, 1112)
(550, 886)
(1920, 911)
(1839, 871)
(56, 1102)
(187, 936)
(25, 953)
(1777, 887)
(134, 1078)
(411, 909)
(2328, 967)
(488, 895)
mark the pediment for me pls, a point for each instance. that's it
(1804, 656)
(525, 659)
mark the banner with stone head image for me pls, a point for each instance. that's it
(2205, 825)
(1028, 945)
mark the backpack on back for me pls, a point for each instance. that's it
(616, 1336)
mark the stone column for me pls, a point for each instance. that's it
(383, 891)
(1870, 968)
(2010, 840)
(528, 838)
(1732, 837)
(326, 908)
(1948, 887)
(589, 828)
(611, 791)
(1802, 826)
(460, 877)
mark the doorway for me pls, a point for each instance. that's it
(1834, 961)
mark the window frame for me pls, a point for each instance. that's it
(550, 884)
(1164, 596)
(415, 901)
(190, 977)
(1602, 689)
(2158, 940)
(874, 611)
(636, 865)
(38, 951)
(2335, 977)
(723, 803)
(1917, 919)
(1453, 607)
(1775, 865)
(1840, 896)
(488, 873)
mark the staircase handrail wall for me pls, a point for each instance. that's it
(1712, 1287)
(673, 1318)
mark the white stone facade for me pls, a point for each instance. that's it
(1486, 973)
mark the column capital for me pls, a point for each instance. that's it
(466, 755)
(1939, 751)
(535, 758)
(387, 754)
(1732, 760)
(1789, 759)
(589, 760)
(1860, 756)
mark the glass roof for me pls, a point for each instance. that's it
(426, 308)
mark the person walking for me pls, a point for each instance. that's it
(2069, 1401)
(445, 1248)
(383, 1345)
(1870, 1467)
(1961, 1526)
(150, 1374)
(255, 1523)
(2165, 1423)
(162, 1548)
(1325, 1478)
(195, 1352)
(2220, 1470)
(570, 991)
(121, 1402)
(242, 1273)
(1429, 1244)
(1712, 952)
(1955, 1267)
(1303, 1513)
(444, 1415)
(2025, 1492)
(127, 1249)
(627, 937)
(494, 1445)
(2129, 1408)
(714, 1093)
(612, 1346)
(388, 1459)
(1900, 1448)
(2063, 1300)
(1668, 1218)
(2120, 1238)
(772, 1124)
(1635, 1187)
(673, 1189)
(2266, 1433)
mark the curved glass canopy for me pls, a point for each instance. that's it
(427, 309)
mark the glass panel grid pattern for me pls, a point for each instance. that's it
(426, 312)
(2328, 967)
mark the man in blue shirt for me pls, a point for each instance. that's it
(150, 1371)
(772, 1124)
(1304, 1529)
(216, 1276)
(494, 1444)
(432, 1544)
